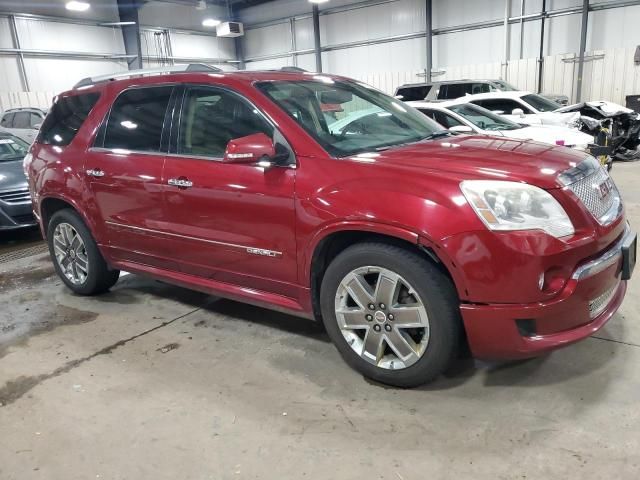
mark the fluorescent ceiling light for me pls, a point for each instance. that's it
(318, 1)
(210, 22)
(116, 24)
(78, 6)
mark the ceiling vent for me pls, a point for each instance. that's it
(230, 29)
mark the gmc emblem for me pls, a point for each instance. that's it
(605, 188)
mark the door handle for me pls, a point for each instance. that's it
(95, 172)
(180, 182)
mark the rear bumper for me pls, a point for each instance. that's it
(592, 295)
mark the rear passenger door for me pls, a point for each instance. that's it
(124, 172)
(234, 223)
(23, 126)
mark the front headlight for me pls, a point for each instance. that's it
(516, 206)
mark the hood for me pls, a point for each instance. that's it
(12, 176)
(550, 134)
(468, 157)
(604, 108)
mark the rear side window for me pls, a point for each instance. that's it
(136, 119)
(7, 120)
(414, 93)
(504, 105)
(65, 119)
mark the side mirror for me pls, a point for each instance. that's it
(517, 112)
(249, 149)
(498, 112)
(461, 129)
(37, 126)
(398, 97)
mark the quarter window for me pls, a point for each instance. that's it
(65, 118)
(137, 118)
(212, 117)
(7, 120)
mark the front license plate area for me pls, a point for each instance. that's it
(629, 256)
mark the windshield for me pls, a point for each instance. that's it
(483, 118)
(504, 86)
(540, 103)
(347, 118)
(12, 148)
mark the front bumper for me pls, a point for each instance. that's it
(15, 211)
(589, 299)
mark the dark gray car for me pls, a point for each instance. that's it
(15, 200)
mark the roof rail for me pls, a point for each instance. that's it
(191, 67)
(292, 69)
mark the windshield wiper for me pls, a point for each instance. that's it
(437, 134)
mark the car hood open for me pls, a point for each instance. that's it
(468, 157)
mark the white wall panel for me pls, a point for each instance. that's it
(5, 34)
(449, 13)
(304, 34)
(267, 40)
(57, 74)
(308, 62)
(562, 35)
(9, 76)
(471, 47)
(201, 46)
(614, 28)
(25, 99)
(41, 35)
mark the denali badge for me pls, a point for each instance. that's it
(263, 252)
(605, 188)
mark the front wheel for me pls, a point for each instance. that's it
(392, 314)
(76, 256)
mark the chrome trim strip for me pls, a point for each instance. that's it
(605, 260)
(250, 250)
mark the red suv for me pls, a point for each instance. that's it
(405, 241)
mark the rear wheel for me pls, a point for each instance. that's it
(76, 256)
(391, 313)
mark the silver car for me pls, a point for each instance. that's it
(15, 200)
(23, 122)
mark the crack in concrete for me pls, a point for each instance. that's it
(15, 389)
(615, 341)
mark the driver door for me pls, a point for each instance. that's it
(233, 223)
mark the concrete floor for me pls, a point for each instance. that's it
(155, 382)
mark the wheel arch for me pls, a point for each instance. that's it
(52, 204)
(333, 240)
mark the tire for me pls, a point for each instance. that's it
(432, 347)
(81, 266)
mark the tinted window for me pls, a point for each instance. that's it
(136, 119)
(414, 93)
(483, 118)
(65, 119)
(12, 148)
(443, 119)
(21, 120)
(540, 103)
(504, 105)
(7, 120)
(212, 117)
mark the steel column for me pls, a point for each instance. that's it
(521, 29)
(541, 52)
(316, 38)
(429, 38)
(16, 43)
(583, 47)
(128, 11)
(507, 11)
(292, 33)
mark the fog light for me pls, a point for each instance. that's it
(553, 279)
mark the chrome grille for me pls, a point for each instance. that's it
(16, 196)
(601, 302)
(588, 190)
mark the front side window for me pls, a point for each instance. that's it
(12, 148)
(442, 118)
(362, 120)
(483, 118)
(540, 103)
(65, 118)
(137, 118)
(212, 117)
(35, 120)
(418, 92)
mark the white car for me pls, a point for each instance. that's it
(524, 107)
(24, 123)
(459, 116)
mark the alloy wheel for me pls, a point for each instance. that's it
(382, 317)
(71, 254)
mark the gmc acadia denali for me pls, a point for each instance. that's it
(407, 242)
